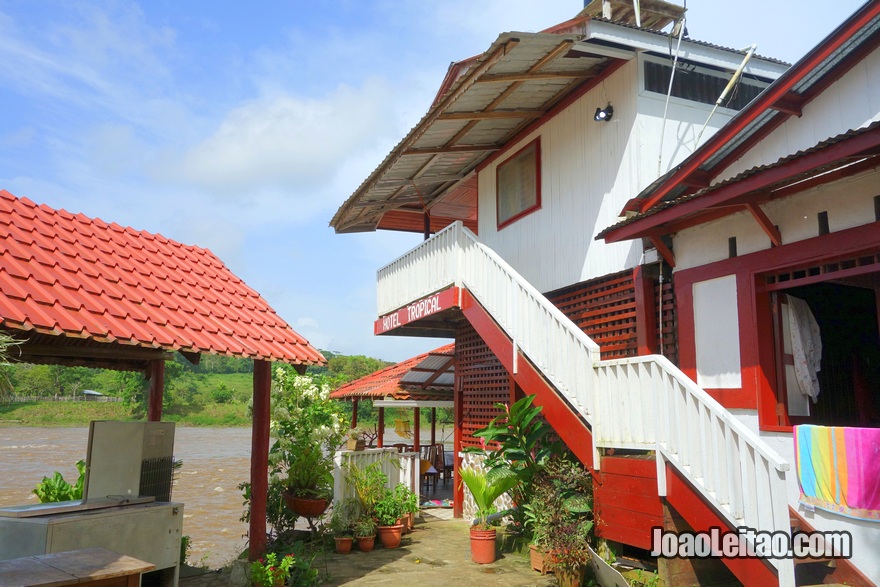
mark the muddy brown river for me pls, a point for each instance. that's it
(215, 461)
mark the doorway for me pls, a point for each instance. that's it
(845, 311)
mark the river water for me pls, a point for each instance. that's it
(215, 461)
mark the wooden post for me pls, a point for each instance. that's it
(157, 388)
(646, 312)
(259, 459)
(458, 418)
(433, 425)
(354, 412)
(417, 432)
(381, 426)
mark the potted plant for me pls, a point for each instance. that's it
(270, 572)
(309, 480)
(355, 440)
(569, 541)
(368, 483)
(365, 532)
(342, 524)
(410, 502)
(485, 490)
(558, 516)
(388, 512)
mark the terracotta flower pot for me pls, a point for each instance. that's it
(390, 535)
(365, 543)
(540, 560)
(570, 577)
(343, 544)
(409, 522)
(304, 507)
(483, 546)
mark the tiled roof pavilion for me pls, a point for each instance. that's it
(80, 291)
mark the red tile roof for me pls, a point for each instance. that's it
(68, 275)
(387, 382)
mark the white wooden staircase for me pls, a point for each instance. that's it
(645, 403)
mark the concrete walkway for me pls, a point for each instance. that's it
(434, 554)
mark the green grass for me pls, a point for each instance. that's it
(74, 414)
(61, 414)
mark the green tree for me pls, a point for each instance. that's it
(346, 368)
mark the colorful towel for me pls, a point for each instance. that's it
(839, 469)
(436, 503)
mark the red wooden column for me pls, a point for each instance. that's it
(157, 389)
(458, 418)
(354, 412)
(380, 441)
(646, 312)
(417, 430)
(259, 459)
(433, 425)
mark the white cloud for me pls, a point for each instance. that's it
(284, 140)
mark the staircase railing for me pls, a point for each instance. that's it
(645, 402)
(562, 351)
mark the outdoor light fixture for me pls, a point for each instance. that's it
(604, 114)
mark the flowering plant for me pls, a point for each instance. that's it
(268, 572)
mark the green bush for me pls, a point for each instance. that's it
(222, 394)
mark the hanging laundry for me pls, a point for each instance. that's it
(806, 346)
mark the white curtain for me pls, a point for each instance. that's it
(806, 346)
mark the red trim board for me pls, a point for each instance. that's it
(422, 308)
(687, 502)
(569, 425)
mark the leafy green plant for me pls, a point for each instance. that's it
(409, 498)
(368, 482)
(344, 515)
(390, 508)
(55, 488)
(522, 446)
(647, 579)
(310, 472)
(269, 571)
(364, 527)
(486, 488)
(185, 545)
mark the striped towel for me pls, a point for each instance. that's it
(839, 469)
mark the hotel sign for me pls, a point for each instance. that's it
(417, 310)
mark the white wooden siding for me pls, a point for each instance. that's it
(851, 102)
(588, 172)
(849, 203)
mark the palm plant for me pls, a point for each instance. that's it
(486, 488)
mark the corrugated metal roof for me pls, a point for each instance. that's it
(757, 170)
(484, 103)
(70, 276)
(426, 376)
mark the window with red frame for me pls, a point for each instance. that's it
(518, 184)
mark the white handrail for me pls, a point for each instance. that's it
(644, 403)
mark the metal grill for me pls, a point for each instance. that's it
(156, 477)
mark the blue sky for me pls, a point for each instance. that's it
(242, 126)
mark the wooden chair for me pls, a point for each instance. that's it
(427, 474)
(444, 471)
(429, 455)
(400, 446)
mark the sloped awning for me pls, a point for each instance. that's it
(422, 381)
(80, 291)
